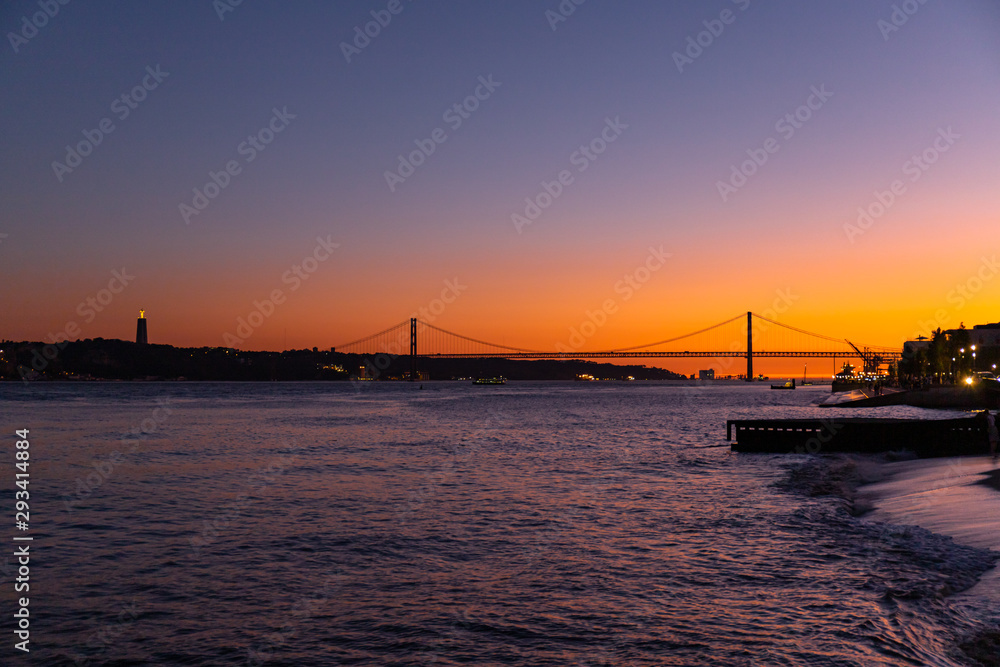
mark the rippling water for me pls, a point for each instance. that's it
(534, 523)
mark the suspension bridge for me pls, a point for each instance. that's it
(747, 336)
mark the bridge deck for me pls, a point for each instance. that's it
(892, 356)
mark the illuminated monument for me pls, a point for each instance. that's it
(140, 328)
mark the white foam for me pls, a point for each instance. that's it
(942, 495)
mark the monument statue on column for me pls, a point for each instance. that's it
(140, 329)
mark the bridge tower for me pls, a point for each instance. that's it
(749, 346)
(413, 349)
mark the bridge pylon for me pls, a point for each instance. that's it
(413, 349)
(749, 346)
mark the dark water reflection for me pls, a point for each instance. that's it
(312, 524)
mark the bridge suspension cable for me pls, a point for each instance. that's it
(824, 337)
(801, 331)
(677, 338)
(399, 328)
(476, 340)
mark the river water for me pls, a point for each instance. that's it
(385, 524)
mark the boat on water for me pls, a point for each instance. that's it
(496, 380)
(788, 385)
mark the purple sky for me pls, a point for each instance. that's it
(888, 94)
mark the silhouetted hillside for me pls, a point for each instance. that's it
(101, 358)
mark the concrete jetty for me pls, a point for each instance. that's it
(923, 437)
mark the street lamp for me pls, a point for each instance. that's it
(973, 358)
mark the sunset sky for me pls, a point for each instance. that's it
(116, 113)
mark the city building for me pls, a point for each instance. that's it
(985, 335)
(911, 347)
